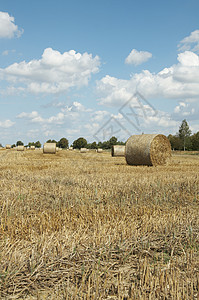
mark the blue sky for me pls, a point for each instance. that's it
(67, 68)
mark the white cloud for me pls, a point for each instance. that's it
(187, 109)
(8, 29)
(6, 124)
(190, 42)
(180, 81)
(53, 73)
(33, 114)
(6, 52)
(98, 116)
(137, 57)
(188, 59)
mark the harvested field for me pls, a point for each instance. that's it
(90, 226)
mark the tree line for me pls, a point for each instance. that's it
(182, 140)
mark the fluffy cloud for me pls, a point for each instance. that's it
(8, 29)
(137, 57)
(180, 81)
(190, 42)
(53, 73)
(6, 124)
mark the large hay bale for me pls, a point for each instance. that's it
(83, 150)
(20, 148)
(118, 150)
(99, 150)
(49, 148)
(8, 146)
(148, 149)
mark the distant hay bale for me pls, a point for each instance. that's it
(8, 146)
(32, 147)
(118, 150)
(20, 148)
(57, 149)
(70, 148)
(83, 150)
(148, 149)
(99, 150)
(49, 148)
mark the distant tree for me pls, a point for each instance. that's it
(195, 141)
(105, 145)
(175, 141)
(121, 143)
(52, 141)
(80, 143)
(63, 143)
(19, 143)
(1, 145)
(184, 134)
(37, 144)
(93, 145)
(13, 146)
(112, 141)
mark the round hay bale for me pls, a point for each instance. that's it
(57, 149)
(99, 150)
(20, 148)
(49, 148)
(83, 150)
(32, 147)
(70, 148)
(118, 150)
(8, 146)
(148, 149)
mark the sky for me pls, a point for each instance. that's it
(97, 69)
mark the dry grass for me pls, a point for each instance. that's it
(92, 227)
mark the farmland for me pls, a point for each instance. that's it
(87, 226)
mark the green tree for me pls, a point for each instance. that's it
(63, 143)
(93, 145)
(175, 141)
(80, 143)
(19, 143)
(195, 141)
(52, 141)
(184, 135)
(112, 141)
(37, 144)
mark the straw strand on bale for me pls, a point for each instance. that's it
(49, 148)
(83, 150)
(20, 148)
(118, 150)
(99, 150)
(148, 149)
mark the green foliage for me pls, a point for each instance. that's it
(36, 144)
(92, 145)
(52, 141)
(63, 143)
(175, 141)
(184, 135)
(80, 143)
(195, 141)
(19, 143)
